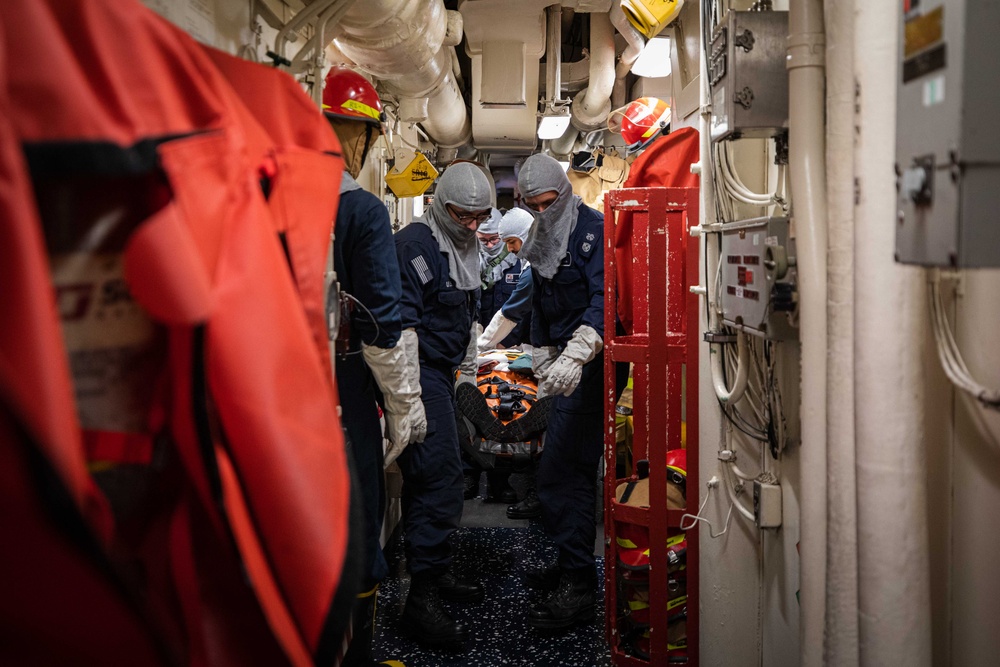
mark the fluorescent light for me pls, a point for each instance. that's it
(418, 206)
(654, 60)
(553, 127)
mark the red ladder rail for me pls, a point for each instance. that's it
(663, 347)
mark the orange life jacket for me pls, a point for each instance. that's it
(131, 132)
(666, 163)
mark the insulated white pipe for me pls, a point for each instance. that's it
(893, 541)
(401, 43)
(564, 145)
(807, 171)
(592, 105)
(553, 53)
(631, 53)
(841, 630)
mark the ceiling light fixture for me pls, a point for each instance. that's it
(654, 60)
(553, 123)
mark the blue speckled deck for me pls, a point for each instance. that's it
(499, 632)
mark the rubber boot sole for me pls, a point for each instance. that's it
(451, 641)
(472, 404)
(582, 615)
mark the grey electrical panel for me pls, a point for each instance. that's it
(747, 75)
(758, 277)
(947, 141)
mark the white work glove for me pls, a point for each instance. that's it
(498, 329)
(563, 376)
(470, 364)
(541, 359)
(397, 372)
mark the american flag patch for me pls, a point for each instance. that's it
(423, 271)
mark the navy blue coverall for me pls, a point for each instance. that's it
(442, 316)
(567, 472)
(366, 268)
(512, 293)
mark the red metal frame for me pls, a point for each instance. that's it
(663, 341)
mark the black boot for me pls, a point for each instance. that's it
(471, 485)
(573, 602)
(453, 589)
(359, 653)
(426, 620)
(498, 488)
(546, 579)
(529, 508)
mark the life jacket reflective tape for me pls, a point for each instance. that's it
(104, 88)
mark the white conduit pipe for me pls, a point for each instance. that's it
(592, 105)
(894, 612)
(731, 492)
(841, 630)
(726, 395)
(806, 144)
(631, 53)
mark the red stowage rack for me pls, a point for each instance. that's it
(663, 340)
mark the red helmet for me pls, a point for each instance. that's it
(677, 461)
(642, 122)
(347, 94)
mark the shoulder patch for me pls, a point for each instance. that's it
(423, 271)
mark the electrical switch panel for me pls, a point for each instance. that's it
(947, 144)
(747, 75)
(758, 277)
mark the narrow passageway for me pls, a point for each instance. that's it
(498, 551)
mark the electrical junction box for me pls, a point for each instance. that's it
(947, 143)
(758, 277)
(766, 505)
(747, 75)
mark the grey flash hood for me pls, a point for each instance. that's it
(463, 186)
(549, 236)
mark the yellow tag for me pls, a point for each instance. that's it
(413, 179)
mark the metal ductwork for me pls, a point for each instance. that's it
(408, 46)
(505, 40)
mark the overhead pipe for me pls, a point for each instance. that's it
(807, 172)
(553, 55)
(298, 21)
(636, 42)
(408, 47)
(326, 30)
(592, 105)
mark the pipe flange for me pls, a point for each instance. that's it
(585, 123)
